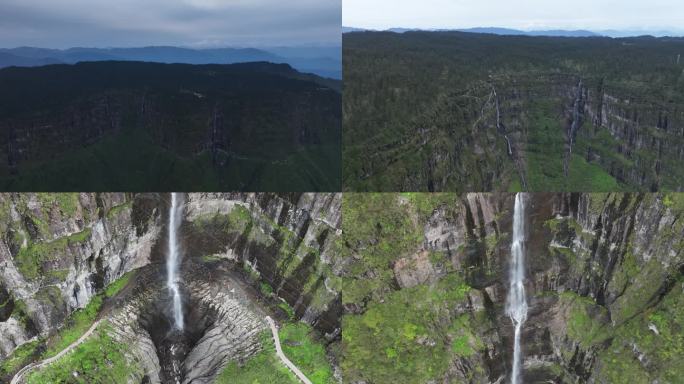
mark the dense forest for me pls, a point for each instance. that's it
(150, 126)
(471, 112)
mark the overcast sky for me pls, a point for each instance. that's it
(518, 14)
(107, 23)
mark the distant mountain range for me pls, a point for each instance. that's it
(323, 61)
(549, 32)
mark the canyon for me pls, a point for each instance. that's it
(96, 264)
(478, 112)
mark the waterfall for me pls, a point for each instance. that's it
(516, 304)
(173, 261)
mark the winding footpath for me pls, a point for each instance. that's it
(17, 378)
(281, 355)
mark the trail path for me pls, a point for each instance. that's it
(17, 378)
(281, 355)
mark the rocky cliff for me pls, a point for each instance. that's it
(69, 260)
(604, 277)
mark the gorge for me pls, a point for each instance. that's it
(470, 112)
(594, 284)
(157, 288)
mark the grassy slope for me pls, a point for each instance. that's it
(99, 359)
(77, 323)
(298, 344)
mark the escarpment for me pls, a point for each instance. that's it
(603, 283)
(203, 119)
(471, 112)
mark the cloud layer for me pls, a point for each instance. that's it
(653, 15)
(106, 23)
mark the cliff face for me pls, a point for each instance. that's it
(644, 145)
(603, 284)
(58, 250)
(211, 115)
(471, 112)
(289, 244)
(63, 252)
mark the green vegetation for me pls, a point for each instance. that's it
(259, 144)
(287, 309)
(407, 332)
(419, 113)
(80, 320)
(99, 359)
(380, 228)
(67, 202)
(29, 259)
(664, 348)
(21, 356)
(265, 289)
(302, 346)
(546, 149)
(75, 326)
(262, 368)
(588, 323)
(115, 210)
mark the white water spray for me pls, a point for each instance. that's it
(516, 304)
(173, 261)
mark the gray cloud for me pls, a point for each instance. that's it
(652, 15)
(67, 23)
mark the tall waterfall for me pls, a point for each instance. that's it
(173, 261)
(516, 304)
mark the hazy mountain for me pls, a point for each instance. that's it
(548, 32)
(352, 29)
(325, 61)
(491, 30)
(8, 60)
(552, 32)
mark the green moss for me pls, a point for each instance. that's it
(674, 201)
(265, 288)
(211, 258)
(287, 308)
(66, 202)
(588, 323)
(117, 209)
(117, 285)
(664, 349)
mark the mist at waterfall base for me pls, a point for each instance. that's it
(169, 334)
(173, 260)
(516, 303)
